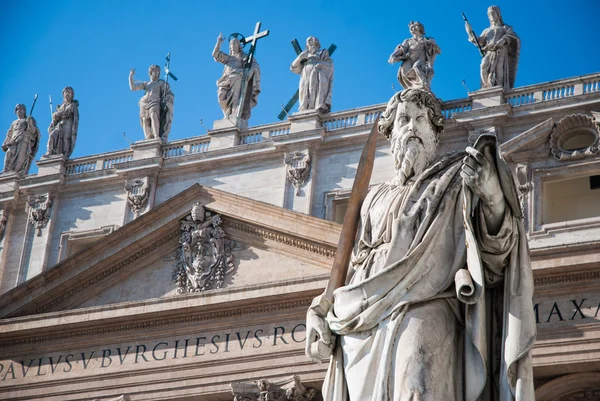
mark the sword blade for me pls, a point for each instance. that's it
(350, 225)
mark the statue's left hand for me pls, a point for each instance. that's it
(480, 174)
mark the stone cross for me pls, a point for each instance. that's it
(252, 39)
(294, 98)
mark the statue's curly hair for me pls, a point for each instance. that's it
(421, 98)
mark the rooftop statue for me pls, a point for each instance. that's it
(21, 143)
(500, 47)
(316, 76)
(417, 55)
(63, 128)
(156, 106)
(438, 294)
(233, 81)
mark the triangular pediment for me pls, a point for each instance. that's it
(532, 142)
(138, 262)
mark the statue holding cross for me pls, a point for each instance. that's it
(316, 76)
(239, 86)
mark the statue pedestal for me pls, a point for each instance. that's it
(146, 149)
(305, 121)
(487, 97)
(49, 165)
(225, 132)
(231, 122)
(9, 183)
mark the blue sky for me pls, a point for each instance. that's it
(91, 46)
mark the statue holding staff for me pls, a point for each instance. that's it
(156, 106)
(500, 47)
(21, 143)
(64, 125)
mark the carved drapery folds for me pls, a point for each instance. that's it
(3, 219)
(575, 137)
(38, 210)
(205, 255)
(298, 168)
(290, 389)
(138, 192)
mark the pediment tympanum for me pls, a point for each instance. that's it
(177, 248)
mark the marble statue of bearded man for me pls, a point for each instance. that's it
(438, 298)
(316, 77)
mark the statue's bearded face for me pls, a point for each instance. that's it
(413, 141)
(313, 45)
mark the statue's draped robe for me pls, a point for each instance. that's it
(499, 67)
(418, 56)
(402, 333)
(230, 84)
(22, 141)
(63, 134)
(158, 100)
(314, 92)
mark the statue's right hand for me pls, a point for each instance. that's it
(319, 338)
(132, 72)
(220, 38)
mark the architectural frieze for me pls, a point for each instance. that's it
(156, 323)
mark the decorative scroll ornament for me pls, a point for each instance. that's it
(205, 256)
(298, 168)
(290, 389)
(138, 192)
(39, 211)
(575, 137)
(3, 218)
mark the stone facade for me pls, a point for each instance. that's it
(90, 309)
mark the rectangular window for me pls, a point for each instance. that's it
(571, 199)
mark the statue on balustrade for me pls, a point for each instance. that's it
(417, 55)
(500, 47)
(437, 302)
(21, 143)
(316, 76)
(63, 128)
(235, 81)
(156, 106)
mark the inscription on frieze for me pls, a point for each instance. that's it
(148, 354)
(574, 309)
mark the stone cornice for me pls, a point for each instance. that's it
(290, 240)
(143, 325)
